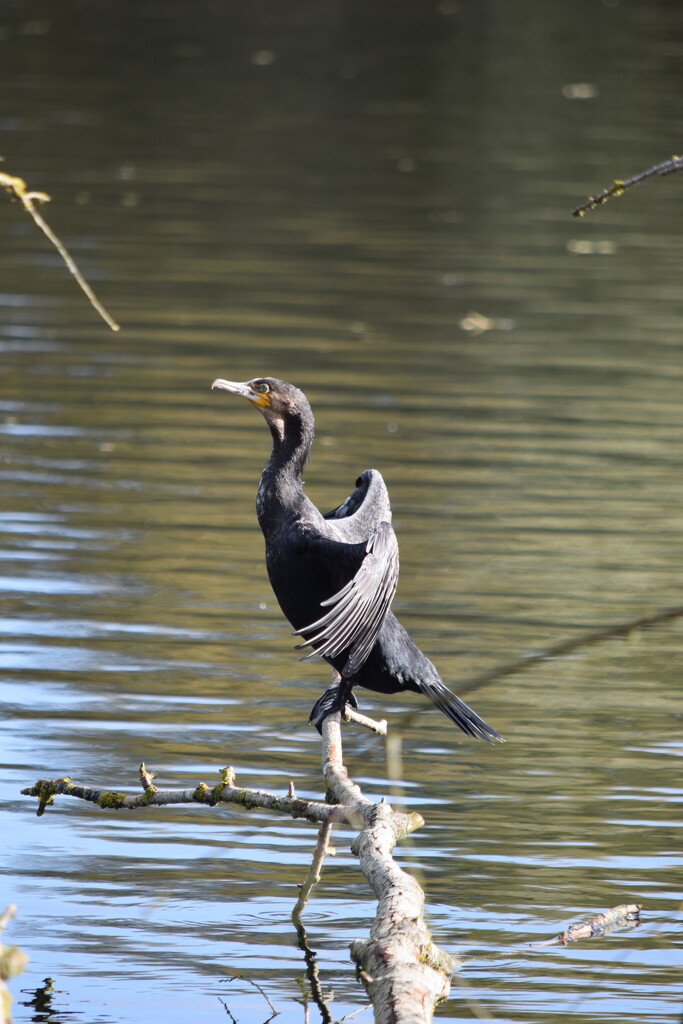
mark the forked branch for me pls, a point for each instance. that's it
(404, 972)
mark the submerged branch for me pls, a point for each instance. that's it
(619, 186)
(18, 188)
(626, 915)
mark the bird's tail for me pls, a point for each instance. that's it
(459, 712)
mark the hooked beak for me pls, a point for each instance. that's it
(237, 389)
(257, 399)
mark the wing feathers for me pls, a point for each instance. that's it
(358, 610)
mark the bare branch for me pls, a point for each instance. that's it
(225, 792)
(313, 877)
(351, 715)
(405, 973)
(18, 188)
(619, 187)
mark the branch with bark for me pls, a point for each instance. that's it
(405, 973)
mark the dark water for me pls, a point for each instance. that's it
(325, 192)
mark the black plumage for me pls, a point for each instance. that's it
(335, 575)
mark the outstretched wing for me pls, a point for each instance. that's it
(366, 507)
(355, 499)
(358, 610)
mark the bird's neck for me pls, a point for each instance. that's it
(281, 489)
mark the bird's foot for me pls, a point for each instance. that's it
(335, 698)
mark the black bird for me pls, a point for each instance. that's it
(335, 575)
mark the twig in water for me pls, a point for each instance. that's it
(622, 916)
(312, 878)
(18, 188)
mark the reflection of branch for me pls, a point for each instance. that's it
(238, 977)
(595, 636)
(312, 878)
(17, 187)
(619, 187)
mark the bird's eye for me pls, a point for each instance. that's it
(263, 388)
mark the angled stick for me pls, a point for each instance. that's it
(18, 188)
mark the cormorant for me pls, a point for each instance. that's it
(335, 575)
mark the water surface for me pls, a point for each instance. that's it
(327, 192)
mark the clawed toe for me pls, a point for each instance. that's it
(333, 699)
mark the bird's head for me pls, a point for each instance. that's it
(278, 401)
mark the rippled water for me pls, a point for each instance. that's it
(327, 193)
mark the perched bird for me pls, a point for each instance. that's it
(335, 575)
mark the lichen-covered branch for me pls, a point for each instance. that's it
(18, 188)
(224, 792)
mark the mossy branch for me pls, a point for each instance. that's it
(405, 973)
(18, 189)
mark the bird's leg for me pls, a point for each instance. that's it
(335, 698)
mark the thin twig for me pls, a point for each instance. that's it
(351, 715)
(18, 188)
(313, 876)
(619, 186)
(354, 1013)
